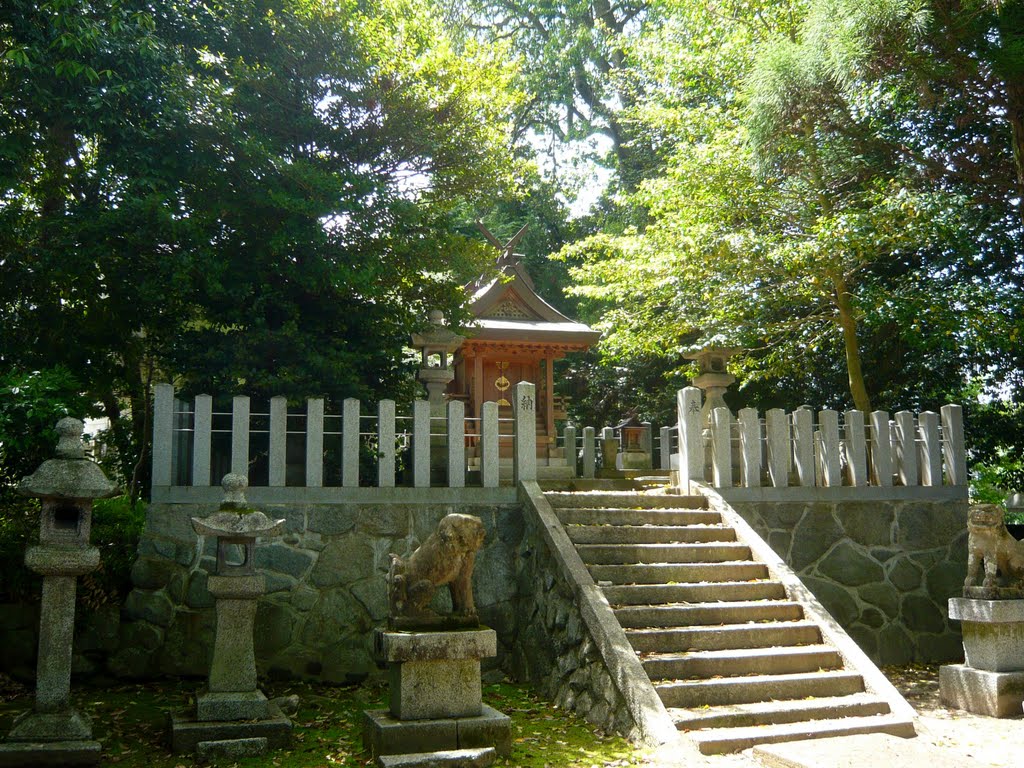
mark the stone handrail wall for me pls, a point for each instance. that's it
(183, 451)
(797, 449)
(571, 642)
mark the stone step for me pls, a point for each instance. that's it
(649, 534)
(730, 591)
(727, 636)
(739, 690)
(452, 758)
(622, 554)
(624, 500)
(679, 573)
(682, 615)
(778, 712)
(743, 661)
(720, 741)
(668, 517)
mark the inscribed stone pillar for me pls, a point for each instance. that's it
(524, 409)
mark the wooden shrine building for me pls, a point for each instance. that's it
(516, 336)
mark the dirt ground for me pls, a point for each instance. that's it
(990, 741)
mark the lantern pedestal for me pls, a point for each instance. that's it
(54, 733)
(233, 718)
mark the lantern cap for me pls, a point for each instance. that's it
(71, 475)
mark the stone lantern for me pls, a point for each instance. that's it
(54, 733)
(442, 342)
(233, 716)
(713, 377)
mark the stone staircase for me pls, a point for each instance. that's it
(735, 660)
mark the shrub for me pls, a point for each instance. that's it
(116, 527)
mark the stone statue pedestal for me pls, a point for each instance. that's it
(436, 701)
(991, 682)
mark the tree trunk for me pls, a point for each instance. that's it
(848, 322)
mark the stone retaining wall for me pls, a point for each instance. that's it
(884, 568)
(555, 650)
(325, 582)
(570, 642)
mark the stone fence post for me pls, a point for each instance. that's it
(954, 453)
(691, 439)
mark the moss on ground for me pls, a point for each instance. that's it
(131, 720)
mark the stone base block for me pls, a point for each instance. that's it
(994, 694)
(248, 705)
(425, 690)
(186, 732)
(633, 460)
(232, 748)
(993, 632)
(452, 758)
(387, 735)
(25, 754)
(43, 727)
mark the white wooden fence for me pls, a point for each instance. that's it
(193, 445)
(268, 447)
(832, 450)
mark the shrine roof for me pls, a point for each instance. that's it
(509, 308)
(514, 329)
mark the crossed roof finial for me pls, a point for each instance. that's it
(507, 257)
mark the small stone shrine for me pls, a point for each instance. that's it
(54, 732)
(991, 681)
(436, 714)
(634, 445)
(233, 718)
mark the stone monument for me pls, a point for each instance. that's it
(991, 681)
(233, 717)
(54, 733)
(436, 714)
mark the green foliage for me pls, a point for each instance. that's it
(116, 527)
(995, 437)
(237, 196)
(31, 404)
(19, 527)
(817, 209)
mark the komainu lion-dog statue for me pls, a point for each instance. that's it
(445, 558)
(991, 546)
